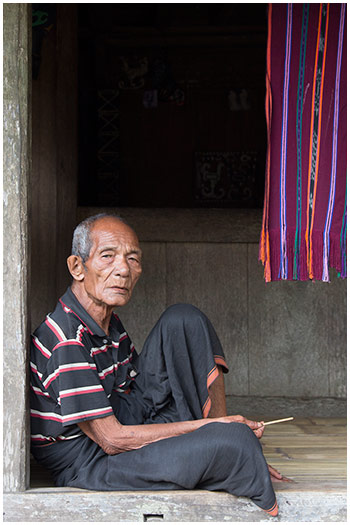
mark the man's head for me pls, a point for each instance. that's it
(106, 261)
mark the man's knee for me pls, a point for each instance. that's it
(191, 321)
(227, 441)
(181, 312)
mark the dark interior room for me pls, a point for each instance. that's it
(171, 105)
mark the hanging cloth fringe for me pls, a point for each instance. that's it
(304, 220)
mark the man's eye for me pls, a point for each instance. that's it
(106, 256)
(133, 259)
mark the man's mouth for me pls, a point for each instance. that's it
(120, 289)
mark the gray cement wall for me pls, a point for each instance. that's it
(16, 167)
(282, 339)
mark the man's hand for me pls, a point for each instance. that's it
(256, 426)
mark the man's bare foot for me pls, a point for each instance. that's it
(276, 476)
(273, 511)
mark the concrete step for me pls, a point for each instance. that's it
(175, 506)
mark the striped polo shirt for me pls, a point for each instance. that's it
(74, 367)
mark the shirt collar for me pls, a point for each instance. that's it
(71, 301)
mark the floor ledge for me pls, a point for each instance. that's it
(177, 506)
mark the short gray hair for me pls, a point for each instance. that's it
(82, 242)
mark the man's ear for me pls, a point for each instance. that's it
(76, 267)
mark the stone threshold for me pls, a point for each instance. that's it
(176, 506)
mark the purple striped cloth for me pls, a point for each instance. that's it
(304, 224)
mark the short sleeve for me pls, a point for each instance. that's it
(72, 381)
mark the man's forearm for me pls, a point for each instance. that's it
(113, 437)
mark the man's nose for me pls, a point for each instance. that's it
(122, 267)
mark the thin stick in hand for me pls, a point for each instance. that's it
(278, 421)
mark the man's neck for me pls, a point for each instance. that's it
(100, 312)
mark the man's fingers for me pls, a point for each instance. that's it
(259, 433)
(254, 425)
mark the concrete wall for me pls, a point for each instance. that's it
(282, 339)
(16, 167)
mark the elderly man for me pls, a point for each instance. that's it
(105, 418)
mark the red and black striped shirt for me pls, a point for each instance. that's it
(74, 367)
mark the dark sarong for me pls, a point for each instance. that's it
(176, 366)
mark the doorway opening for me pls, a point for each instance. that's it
(171, 105)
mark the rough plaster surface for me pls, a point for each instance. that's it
(295, 331)
(16, 154)
(260, 408)
(213, 277)
(188, 225)
(284, 339)
(170, 506)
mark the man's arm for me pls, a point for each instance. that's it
(113, 437)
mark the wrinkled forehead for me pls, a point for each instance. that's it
(112, 231)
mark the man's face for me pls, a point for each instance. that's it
(114, 265)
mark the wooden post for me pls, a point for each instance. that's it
(16, 169)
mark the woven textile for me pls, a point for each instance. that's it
(304, 222)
